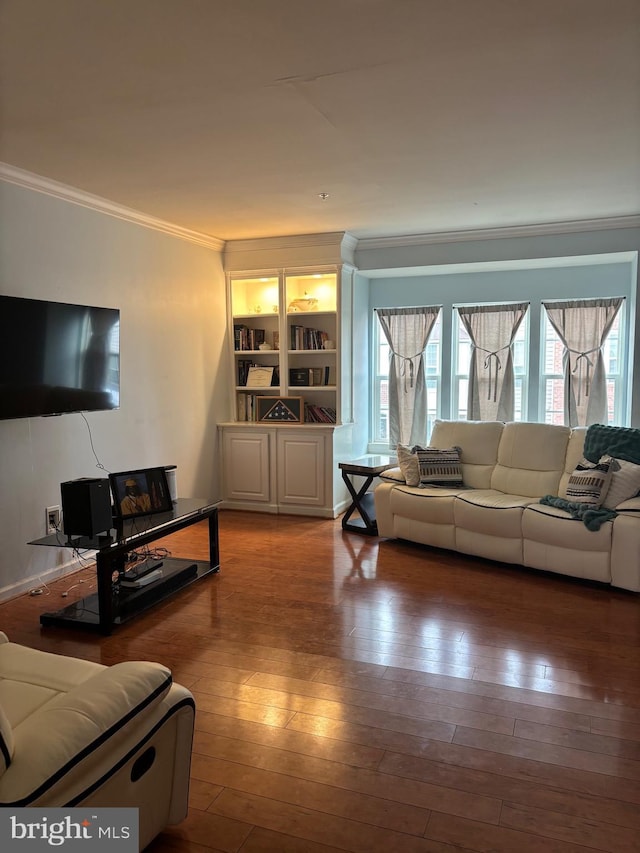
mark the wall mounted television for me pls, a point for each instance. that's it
(57, 358)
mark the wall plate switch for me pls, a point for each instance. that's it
(52, 519)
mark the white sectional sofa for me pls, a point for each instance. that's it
(76, 733)
(497, 514)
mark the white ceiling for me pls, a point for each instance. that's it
(229, 117)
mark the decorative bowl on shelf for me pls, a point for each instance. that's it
(307, 303)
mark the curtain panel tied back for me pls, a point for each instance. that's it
(492, 330)
(583, 325)
(407, 331)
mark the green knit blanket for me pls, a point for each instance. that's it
(592, 517)
(619, 442)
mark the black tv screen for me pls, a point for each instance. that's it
(57, 358)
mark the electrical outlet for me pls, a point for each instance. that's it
(52, 518)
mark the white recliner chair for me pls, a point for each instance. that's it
(78, 733)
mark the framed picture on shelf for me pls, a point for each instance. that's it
(141, 492)
(259, 377)
(281, 410)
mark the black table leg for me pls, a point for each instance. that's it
(363, 503)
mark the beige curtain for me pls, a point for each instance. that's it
(583, 326)
(407, 332)
(492, 329)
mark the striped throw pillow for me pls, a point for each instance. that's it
(589, 482)
(439, 467)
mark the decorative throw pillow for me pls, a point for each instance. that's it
(408, 462)
(6, 742)
(439, 467)
(625, 483)
(589, 482)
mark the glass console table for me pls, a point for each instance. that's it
(114, 603)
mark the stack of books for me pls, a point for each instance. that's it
(303, 337)
(245, 338)
(319, 414)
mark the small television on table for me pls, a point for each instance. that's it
(57, 357)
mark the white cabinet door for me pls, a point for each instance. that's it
(302, 468)
(246, 459)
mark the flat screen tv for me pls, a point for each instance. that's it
(57, 358)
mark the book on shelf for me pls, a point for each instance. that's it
(246, 338)
(237, 335)
(303, 337)
(245, 406)
(317, 376)
(242, 369)
(300, 376)
(241, 406)
(319, 414)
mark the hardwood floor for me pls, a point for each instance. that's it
(363, 695)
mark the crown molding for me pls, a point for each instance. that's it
(346, 242)
(542, 230)
(22, 178)
(292, 241)
(335, 247)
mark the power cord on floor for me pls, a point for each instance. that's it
(40, 590)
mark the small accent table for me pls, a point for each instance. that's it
(369, 467)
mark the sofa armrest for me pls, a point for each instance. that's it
(70, 728)
(393, 475)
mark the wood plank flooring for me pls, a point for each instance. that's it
(357, 694)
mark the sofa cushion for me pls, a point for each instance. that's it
(478, 442)
(556, 542)
(625, 483)
(531, 459)
(431, 504)
(490, 512)
(439, 467)
(554, 526)
(589, 483)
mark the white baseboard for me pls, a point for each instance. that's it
(35, 581)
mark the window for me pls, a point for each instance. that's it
(380, 416)
(552, 372)
(113, 364)
(537, 363)
(461, 362)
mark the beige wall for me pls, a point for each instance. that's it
(171, 296)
